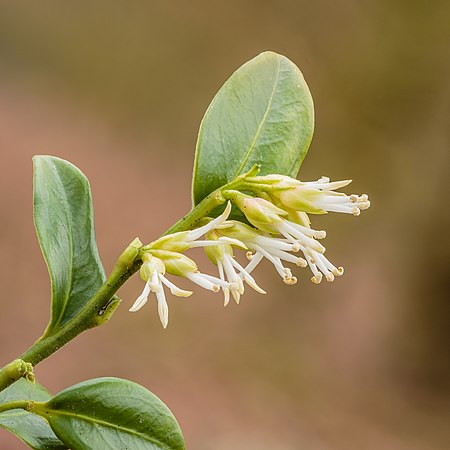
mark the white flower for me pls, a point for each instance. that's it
(316, 197)
(229, 269)
(265, 246)
(295, 228)
(282, 228)
(152, 271)
(184, 240)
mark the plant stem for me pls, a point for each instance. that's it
(18, 404)
(190, 221)
(209, 203)
(14, 371)
(89, 317)
(102, 305)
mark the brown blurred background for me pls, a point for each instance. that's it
(119, 89)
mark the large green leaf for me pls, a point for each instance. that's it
(64, 220)
(31, 429)
(112, 413)
(263, 114)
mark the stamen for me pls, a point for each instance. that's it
(215, 280)
(318, 234)
(200, 279)
(322, 267)
(270, 242)
(274, 260)
(257, 258)
(330, 266)
(317, 278)
(247, 277)
(290, 280)
(300, 262)
(287, 228)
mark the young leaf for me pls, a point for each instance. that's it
(31, 429)
(111, 413)
(64, 220)
(263, 114)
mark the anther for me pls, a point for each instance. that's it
(300, 262)
(290, 280)
(321, 234)
(317, 279)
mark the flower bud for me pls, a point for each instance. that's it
(259, 212)
(301, 199)
(176, 263)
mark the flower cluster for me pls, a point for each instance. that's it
(278, 229)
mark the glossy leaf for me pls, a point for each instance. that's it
(112, 413)
(64, 220)
(263, 114)
(31, 429)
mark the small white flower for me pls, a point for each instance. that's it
(295, 228)
(230, 270)
(316, 197)
(282, 228)
(152, 271)
(184, 240)
(266, 246)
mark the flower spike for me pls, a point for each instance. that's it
(280, 232)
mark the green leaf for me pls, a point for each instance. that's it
(31, 429)
(263, 114)
(64, 220)
(112, 413)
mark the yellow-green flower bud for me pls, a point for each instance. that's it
(176, 263)
(260, 213)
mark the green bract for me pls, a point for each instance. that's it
(31, 429)
(263, 115)
(64, 220)
(110, 413)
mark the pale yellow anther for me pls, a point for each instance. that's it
(320, 234)
(356, 211)
(330, 277)
(249, 255)
(295, 247)
(290, 280)
(300, 262)
(317, 279)
(216, 288)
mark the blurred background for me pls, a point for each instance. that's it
(119, 89)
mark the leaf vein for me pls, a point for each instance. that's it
(266, 113)
(113, 426)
